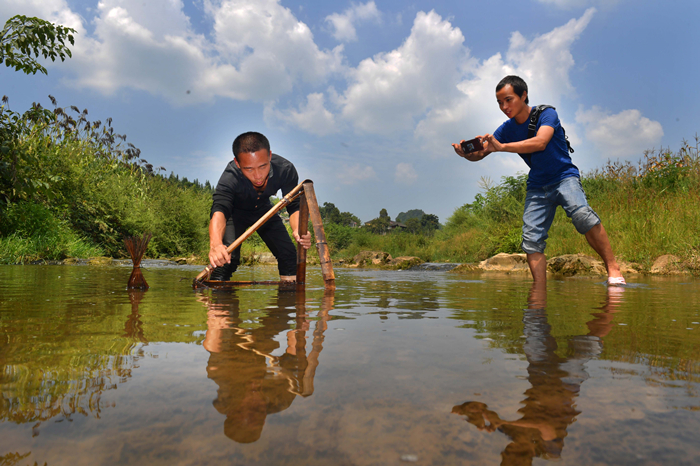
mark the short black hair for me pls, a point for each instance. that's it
(250, 142)
(519, 86)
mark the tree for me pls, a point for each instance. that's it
(23, 37)
(403, 217)
(413, 225)
(430, 222)
(330, 213)
(19, 176)
(350, 220)
(380, 224)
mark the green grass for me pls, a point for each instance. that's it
(15, 249)
(648, 210)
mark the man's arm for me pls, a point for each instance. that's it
(305, 240)
(218, 255)
(528, 146)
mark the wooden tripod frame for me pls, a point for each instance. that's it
(308, 209)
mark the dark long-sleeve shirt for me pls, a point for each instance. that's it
(235, 192)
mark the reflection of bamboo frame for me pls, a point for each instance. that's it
(301, 386)
(272, 362)
(308, 208)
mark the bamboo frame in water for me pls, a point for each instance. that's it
(308, 208)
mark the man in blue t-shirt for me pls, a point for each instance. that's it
(553, 179)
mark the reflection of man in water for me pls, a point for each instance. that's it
(549, 404)
(254, 382)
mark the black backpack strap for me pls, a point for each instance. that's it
(568, 144)
(535, 117)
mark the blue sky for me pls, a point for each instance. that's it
(366, 97)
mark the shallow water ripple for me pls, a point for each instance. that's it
(423, 366)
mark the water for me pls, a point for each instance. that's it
(423, 367)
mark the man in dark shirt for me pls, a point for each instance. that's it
(242, 197)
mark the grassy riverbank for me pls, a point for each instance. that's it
(649, 209)
(70, 187)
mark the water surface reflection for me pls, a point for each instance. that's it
(549, 406)
(255, 375)
(93, 374)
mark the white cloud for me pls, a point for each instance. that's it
(352, 174)
(544, 62)
(405, 174)
(311, 117)
(56, 11)
(389, 91)
(145, 46)
(264, 36)
(432, 87)
(343, 24)
(258, 51)
(625, 134)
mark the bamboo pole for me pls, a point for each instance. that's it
(293, 194)
(324, 254)
(303, 229)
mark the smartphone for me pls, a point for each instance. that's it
(472, 145)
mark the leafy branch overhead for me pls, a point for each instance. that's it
(23, 40)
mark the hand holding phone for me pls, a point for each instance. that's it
(472, 145)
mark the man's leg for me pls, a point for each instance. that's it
(537, 218)
(597, 237)
(277, 239)
(538, 267)
(573, 200)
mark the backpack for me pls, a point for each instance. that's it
(535, 117)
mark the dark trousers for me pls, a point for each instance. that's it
(272, 232)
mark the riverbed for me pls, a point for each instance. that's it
(394, 367)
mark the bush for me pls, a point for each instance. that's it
(72, 176)
(338, 236)
(27, 219)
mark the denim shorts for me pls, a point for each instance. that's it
(541, 205)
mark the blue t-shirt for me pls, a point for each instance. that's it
(549, 166)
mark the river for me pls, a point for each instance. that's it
(394, 367)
